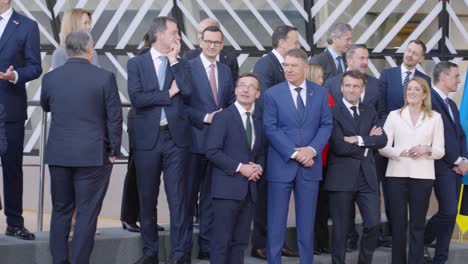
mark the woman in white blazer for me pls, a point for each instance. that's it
(415, 139)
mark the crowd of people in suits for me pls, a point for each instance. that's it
(232, 148)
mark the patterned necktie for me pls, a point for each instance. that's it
(339, 68)
(300, 103)
(248, 130)
(405, 82)
(214, 90)
(447, 104)
(162, 78)
(355, 113)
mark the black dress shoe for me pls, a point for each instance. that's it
(131, 227)
(325, 250)
(287, 252)
(148, 260)
(259, 253)
(317, 251)
(352, 245)
(384, 241)
(427, 256)
(160, 228)
(19, 232)
(204, 255)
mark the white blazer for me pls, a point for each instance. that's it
(402, 135)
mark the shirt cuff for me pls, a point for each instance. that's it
(174, 63)
(315, 152)
(205, 119)
(238, 167)
(360, 141)
(16, 78)
(294, 154)
(457, 162)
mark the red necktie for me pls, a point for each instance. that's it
(214, 90)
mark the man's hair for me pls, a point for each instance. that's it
(442, 67)
(420, 43)
(280, 33)
(78, 42)
(355, 74)
(158, 24)
(353, 49)
(248, 74)
(297, 53)
(212, 29)
(337, 30)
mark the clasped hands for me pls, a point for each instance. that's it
(416, 152)
(8, 75)
(305, 156)
(251, 171)
(375, 131)
(461, 168)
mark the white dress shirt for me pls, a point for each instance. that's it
(157, 64)
(403, 73)
(278, 57)
(294, 93)
(348, 106)
(242, 112)
(403, 135)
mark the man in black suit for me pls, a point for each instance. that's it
(20, 62)
(351, 175)
(270, 72)
(3, 139)
(331, 59)
(159, 89)
(225, 57)
(237, 166)
(451, 167)
(84, 139)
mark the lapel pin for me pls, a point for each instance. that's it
(16, 22)
(311, 93)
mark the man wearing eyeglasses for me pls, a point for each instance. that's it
(212, 91)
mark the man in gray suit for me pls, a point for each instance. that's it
(84, 139)
(331, 59)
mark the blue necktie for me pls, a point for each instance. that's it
(340, 68)
(300, 104)
(162, 78)
(406, 81)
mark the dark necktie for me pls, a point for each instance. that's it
(405, 82)
(162, 78)
(339, 68)
(300, 103)
(248, 130)
(355, 113)
(447, 104)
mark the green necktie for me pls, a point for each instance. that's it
(248, 130)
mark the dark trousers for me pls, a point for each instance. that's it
(165, 157)
(259, 234)
(82, 188)
(415, 194)
(341, 206)
(231, 224)
(130, 208)
(199, 181)
(440, 226)
(381, 168)
(322, 239)
(12, 165)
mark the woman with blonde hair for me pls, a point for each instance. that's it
(72, 20)
(415, 139)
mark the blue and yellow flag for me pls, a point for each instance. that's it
(462, 220)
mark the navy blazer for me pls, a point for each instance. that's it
(227, 147)
(20, 47)
(269, 71)
(326, 60)
(346, 161)
(3, 139)
(225, 57)
(86, 126)
(372, 96)
(391, 88)
(202, 101)
(148, 100)
(455, 139)
(285, 131)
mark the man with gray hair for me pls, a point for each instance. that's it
(84, 139)
(331, 59)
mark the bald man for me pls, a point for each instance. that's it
(224, 57)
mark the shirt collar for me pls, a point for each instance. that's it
(442, 95)
(292, 87)
(7, 14)
(404, 70)
(278, 56)
(206, 63)
(155, 54)
(348, 104)
(242, 110)
(333, 53)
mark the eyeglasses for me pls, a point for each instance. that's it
(247, 86)
(215, 43)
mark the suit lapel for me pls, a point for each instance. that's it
(201, 73)
(277, 64)
(286, 94)
(151, 70)
(348, 119)
(309, 98)
(221, 78)
(331, 61)
(11, 27)
(238, 119)
(439, 100)
(258, 137)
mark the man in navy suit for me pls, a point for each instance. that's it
(235, 147)
(339, 40)
(225, 57)
(451, 167)
(3, 139)
(159, 89)
(393, 82)
(270, 72)
(351, 175)
(84, 139)
(297, 122)
(212, 91)
(20, 62)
